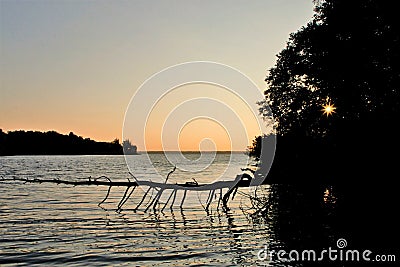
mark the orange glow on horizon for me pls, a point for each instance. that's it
(197, 134)
(204, 135)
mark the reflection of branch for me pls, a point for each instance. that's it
(166, 179)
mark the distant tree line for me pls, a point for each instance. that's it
(53, 143)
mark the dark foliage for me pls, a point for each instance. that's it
(255, 149)
(53, 143)
(348, 54)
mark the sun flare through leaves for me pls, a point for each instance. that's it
(328, 108)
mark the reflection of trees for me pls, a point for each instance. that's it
(296, 216)
(306, 216)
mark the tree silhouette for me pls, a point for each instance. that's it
(255, 149)
(334, 92)
(348, 54)
(53, 143)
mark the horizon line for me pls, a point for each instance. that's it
(192, 151)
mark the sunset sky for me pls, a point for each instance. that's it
(74, 65)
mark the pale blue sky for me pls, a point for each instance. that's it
(74, 65)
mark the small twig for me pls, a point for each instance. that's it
(152, 201)
(198, 197)
(108, 193)
(166, 179)
(234, 193)
(144, 196)
(109, 188)
(209, 199)
(220, 197)
(173, 200)
(126, 199)
(123, 198)
(183, 199)
(173, 192)
(158, 198)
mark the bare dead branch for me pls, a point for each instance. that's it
(171, 172)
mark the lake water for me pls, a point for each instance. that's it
(49, 224)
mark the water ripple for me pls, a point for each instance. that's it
(45, 224)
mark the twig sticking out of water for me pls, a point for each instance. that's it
(108, 192)
(124, 199)
(171, 172)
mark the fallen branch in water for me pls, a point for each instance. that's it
(90, 181)
(158, 187)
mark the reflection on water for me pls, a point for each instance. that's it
(300, 219)
(58, 224)
(61, 224)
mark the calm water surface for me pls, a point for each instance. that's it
(47, 224)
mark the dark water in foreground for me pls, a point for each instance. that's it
(49, 224)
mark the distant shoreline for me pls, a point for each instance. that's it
(192, 151)
(15, 143)
(52, 143)
(138, 154)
